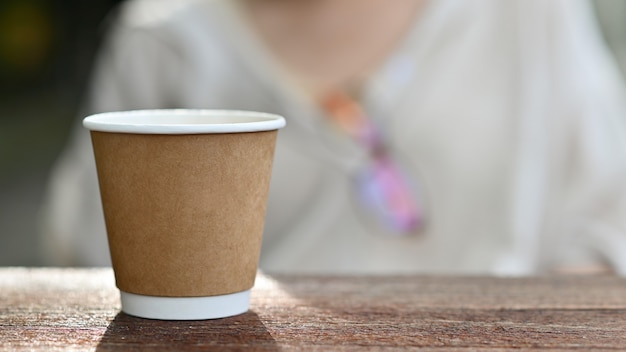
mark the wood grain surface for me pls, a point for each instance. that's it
(79, 310)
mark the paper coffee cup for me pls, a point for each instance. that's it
(184, 195)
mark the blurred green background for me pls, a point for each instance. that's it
(46, 52)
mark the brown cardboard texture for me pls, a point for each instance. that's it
(184, 213)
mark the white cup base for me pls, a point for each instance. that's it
(185, 308)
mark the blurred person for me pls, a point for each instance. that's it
(467, 137)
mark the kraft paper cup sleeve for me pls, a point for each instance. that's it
(184, 212)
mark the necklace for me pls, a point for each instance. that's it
(383, 188)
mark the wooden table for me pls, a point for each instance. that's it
(78, 309)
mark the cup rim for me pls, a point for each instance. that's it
(164, 121)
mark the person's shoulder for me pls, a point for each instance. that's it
(155, 14)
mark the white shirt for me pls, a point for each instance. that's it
(509, 114)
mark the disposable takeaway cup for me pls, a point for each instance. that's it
(184, 195)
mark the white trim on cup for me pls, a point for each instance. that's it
(185, 308)
(183, 121)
